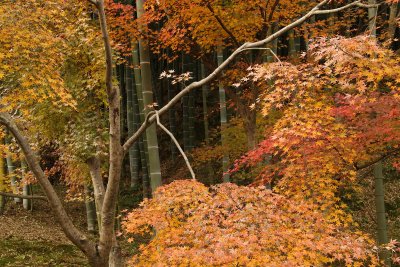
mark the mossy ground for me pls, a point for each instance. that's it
(34, 238)
(17, 252)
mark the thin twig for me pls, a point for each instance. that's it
(176, 143)
(223, 25)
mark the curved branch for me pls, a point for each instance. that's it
(221, 23)
(176, 143)
(271, 15)
(356, 3)
(78, 238)
(358, 167)
(23, 196)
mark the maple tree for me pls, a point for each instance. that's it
(227, 225)
(52, 53)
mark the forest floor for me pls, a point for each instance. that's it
(34, 238)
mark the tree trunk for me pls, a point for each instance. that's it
(151, 133)
(372, 13)
(11, 174)
(250, 126)
(392, 23)
(144, 155)
(3, 186)
(191, 104)
(98, 186)
(90, 209)
(132, 126)
(185, 107)
(223, 119)
(380, 211)
(26, 203)
(172, 119)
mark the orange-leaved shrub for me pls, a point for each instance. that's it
(230, 225)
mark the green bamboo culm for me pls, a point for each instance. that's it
(120, 72)
(132, 124)
(191, 120)
(26, 203)
(172, 120)
(3, 185)
(292, 44)
(392, 22)
(204, 92)
(382, 235)
(185, 107)
(11, 173)
(90, 209)
(223, 119)
(139, 113)
(152, 142)
(380, 211)
(191, 105)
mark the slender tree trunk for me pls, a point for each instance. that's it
(204, 92)
(132, 126)
(172, 120)
(292, 44)
(308, 36)
(121, 74)
(144, 156)
(98, 186)
(392, 23)
(26, 203)
(380, 211)
(223, 119)
(372, 12)
(378, 170)
(90, 209)
(185, 107)
(152, 142)
(3, 184)
(108, 242)
(191, 103)
(11, 174)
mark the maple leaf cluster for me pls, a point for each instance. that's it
(230, 225)
(339, 112)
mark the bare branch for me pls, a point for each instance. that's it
(176, 143)
(221, 23)
(358, 167)
(23, 196)
(356, 3)
(218, 70)
(271, 15)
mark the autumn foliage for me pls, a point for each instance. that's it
(230, 225)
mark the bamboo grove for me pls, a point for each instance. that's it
(223, 133)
